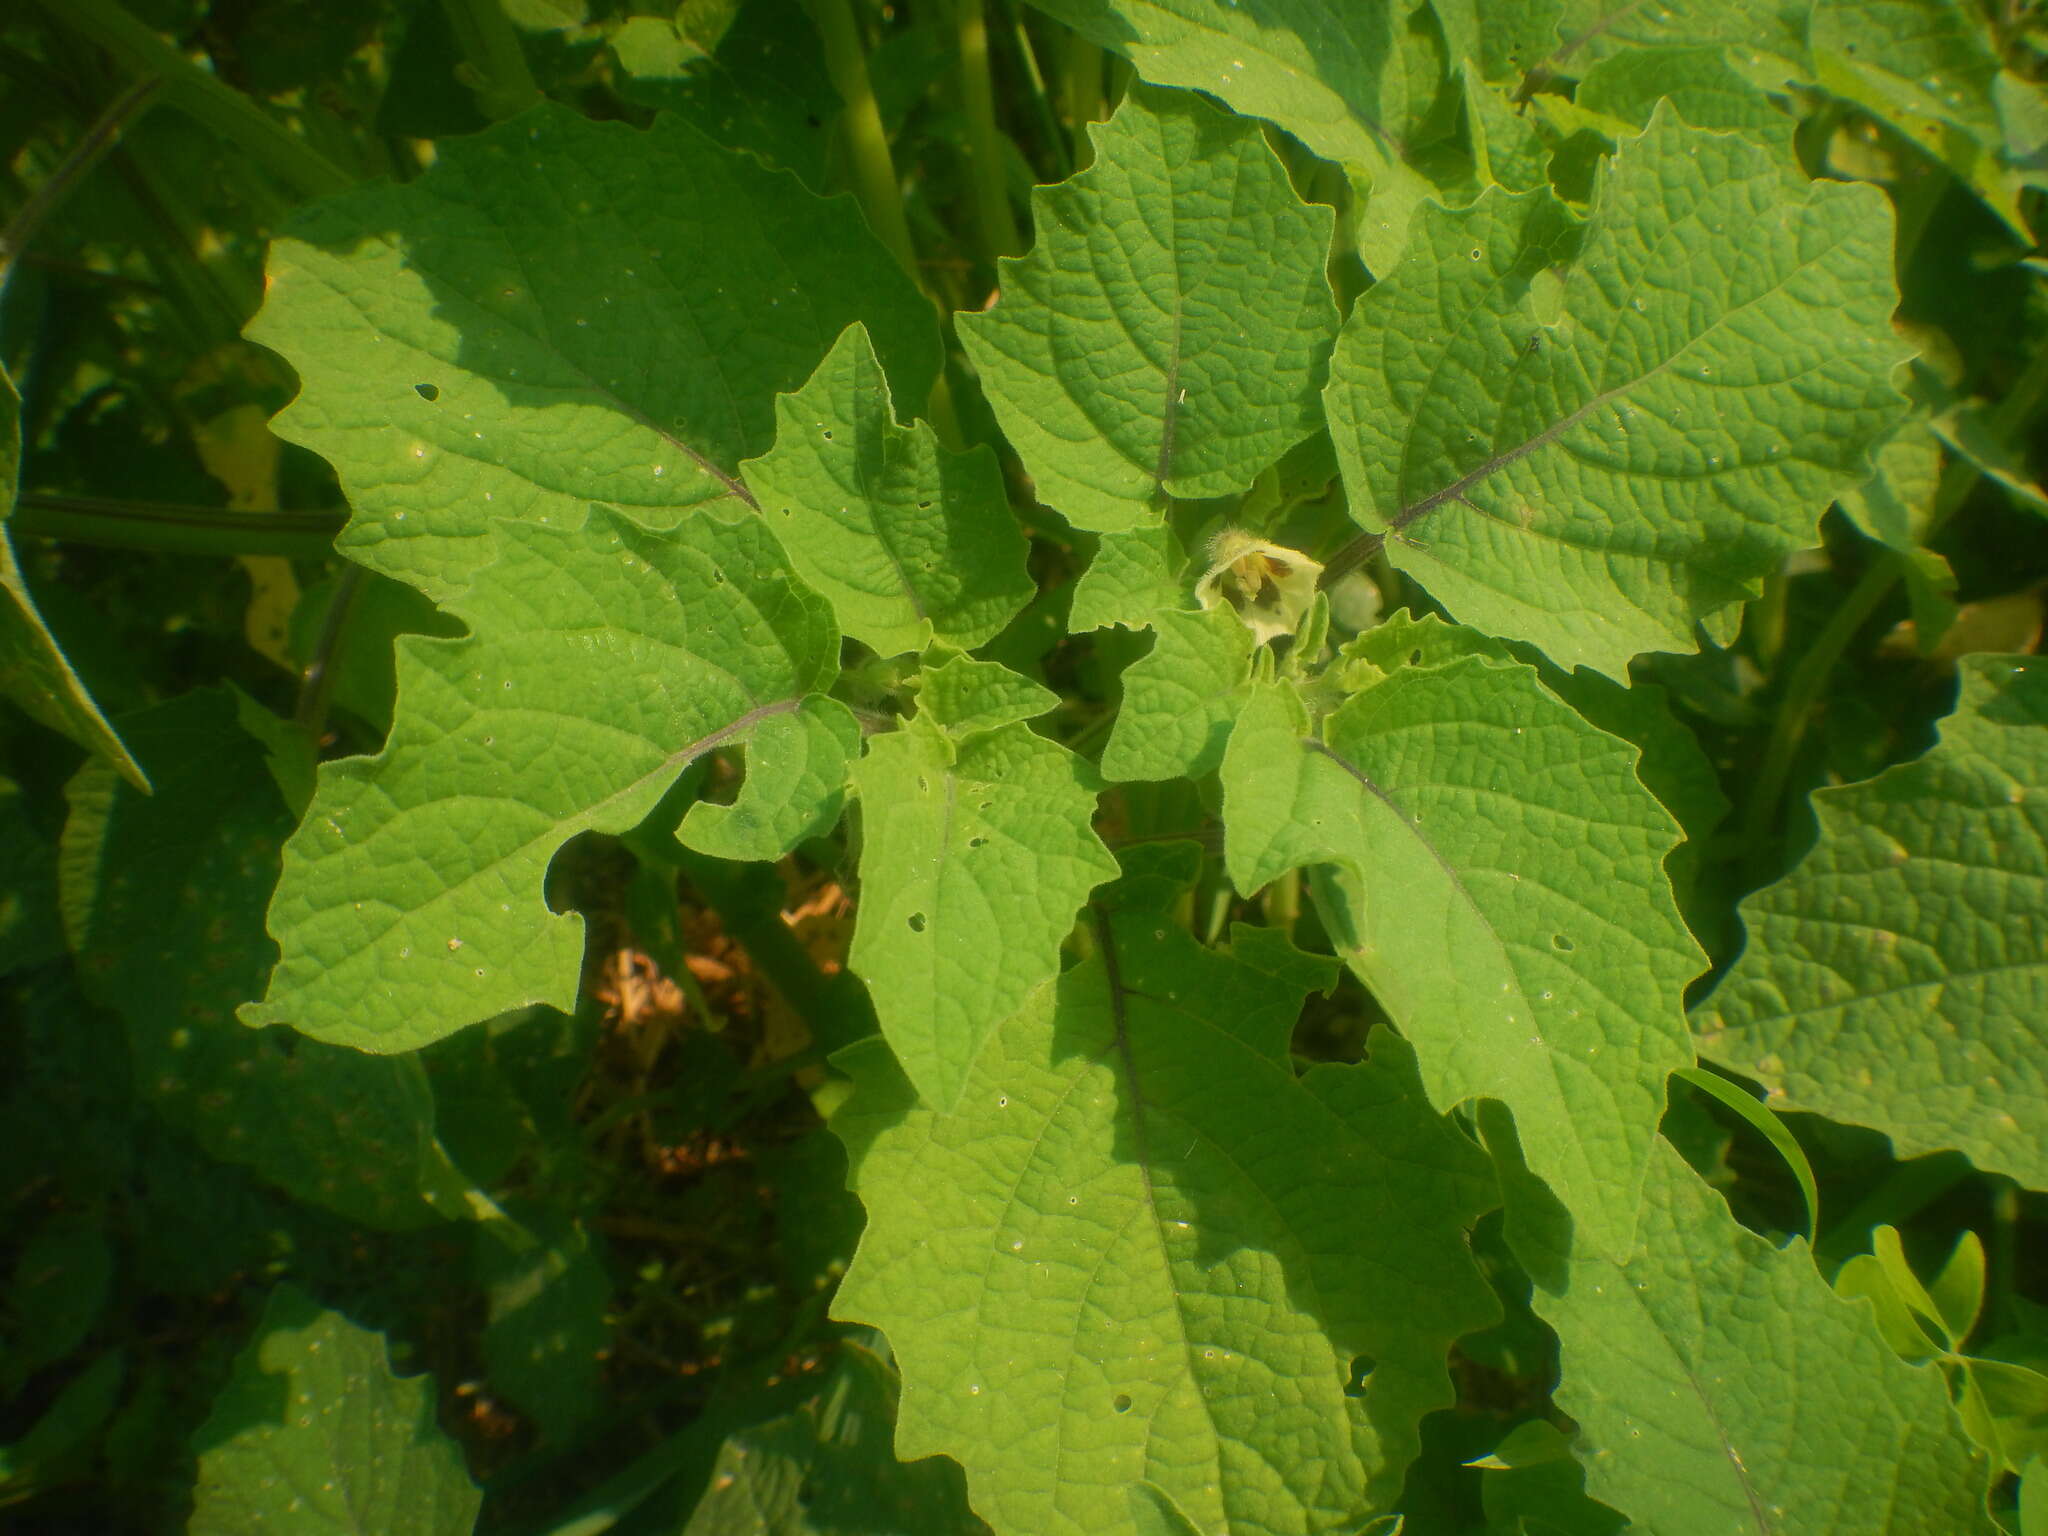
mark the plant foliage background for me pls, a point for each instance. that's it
(1103, 766)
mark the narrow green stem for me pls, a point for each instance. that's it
(176, 529)
(316, 683)
(85, 154)
(1803, 689)
(1282, 901)
(200, 95)
(1080, 94)
(874, 176)
(997, 224)
(874, 168)
(1041, 102)
(493, 63)
(1809, 678)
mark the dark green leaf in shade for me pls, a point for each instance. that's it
(761, 86)
(1898, 976)
(1498, 883)
(1167, 334)
(975, 857)
(828, 1469)
(562, 312)
(1928, 67)
(59, 1286)
(548, 1290)
(163, 897)
(33, 669)
(1595, 462)
(600, 661)
(29, 930)
(315, 1435)
(907, 540)
(1143, 1247)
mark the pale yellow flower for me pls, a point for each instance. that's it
(1268, 585)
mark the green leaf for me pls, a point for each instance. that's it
(29, 930)
(33, 670)
(1508, 147)
(1134, 574)
(962, 695)
(1596, 463)
(798, 766)
(164, 897)
(1767, 1124)
(547, 1332)
(1181, 698)
(1341, 77)
(1765, 38)
(1167, 334)
(1896, 506)
(1500, 888)
(600, 662)
(827, 1469)
(364, 668)
(1706, 1366)
(84, 1404)
(1698, 82)
(563, 312)
(909, 542)
(1898, 977)
(57, 1292)
(763, 87)
(1927, 67)
(315, 1434)
(1673, 766)
(1534, 1486)
(974, 859)
(1143, 1247)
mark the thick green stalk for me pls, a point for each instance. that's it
(874, 176)
(998, 225)
(175, 529)
(874, 168)
(200, 95)
(493, 62)
(1080, 94)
